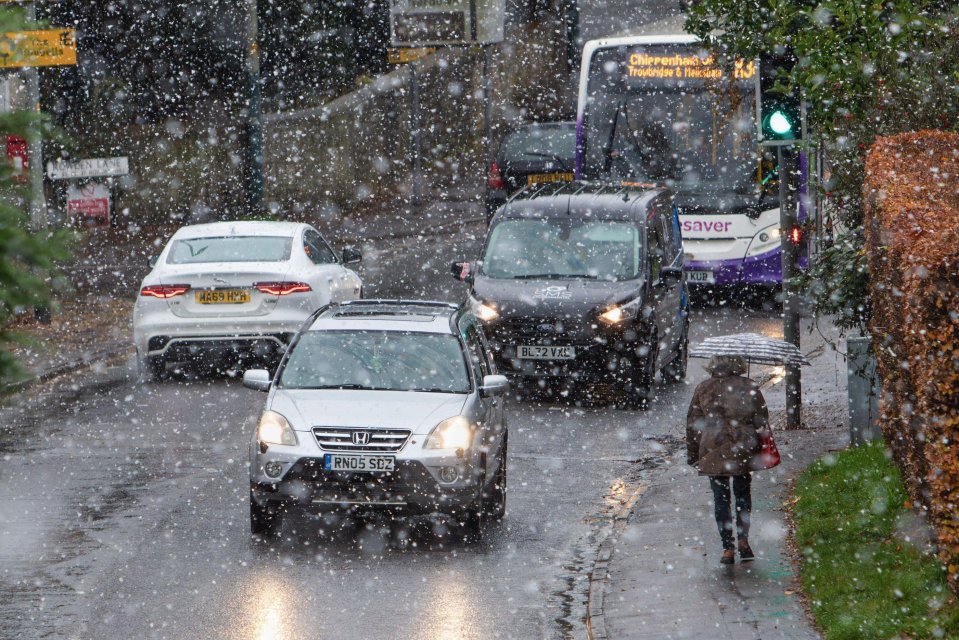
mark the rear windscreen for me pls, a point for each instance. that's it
(231, 249)
(532, 143)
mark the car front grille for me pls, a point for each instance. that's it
(377, 440)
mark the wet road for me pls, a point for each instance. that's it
(125, 511)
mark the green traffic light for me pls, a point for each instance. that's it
(779, 123)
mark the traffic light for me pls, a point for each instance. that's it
(779, 106)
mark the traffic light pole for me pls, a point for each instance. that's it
(788, 157)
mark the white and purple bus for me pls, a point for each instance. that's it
(660, 109)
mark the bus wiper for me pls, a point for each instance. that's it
(546, 276)
(552, 156)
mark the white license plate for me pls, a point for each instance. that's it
(539, 352)
(343, 462)
(702, 277)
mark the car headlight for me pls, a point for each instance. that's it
(621, 312)
(452, 433)
(275, 429)
(764, 241)
(484, 311)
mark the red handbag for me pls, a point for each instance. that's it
(769, 455)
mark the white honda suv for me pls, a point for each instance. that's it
(238, 287)
(382, 406)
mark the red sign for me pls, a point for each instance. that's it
(19, 157)
(89, 205)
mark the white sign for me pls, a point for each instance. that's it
(429, 23)
(88, 168)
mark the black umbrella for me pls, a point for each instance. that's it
(753, 347)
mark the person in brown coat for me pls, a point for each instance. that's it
(726, 417)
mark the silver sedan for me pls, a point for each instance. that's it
(237, 286)
(382, 405)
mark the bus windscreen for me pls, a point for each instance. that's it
(669, 113)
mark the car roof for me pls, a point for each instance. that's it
(420, 316)
(239, 228)
(580, 199)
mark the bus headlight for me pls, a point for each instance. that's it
(765, 241)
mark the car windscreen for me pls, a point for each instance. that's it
(380, 360)
(564, 248)
(231, 249)
(556, 143)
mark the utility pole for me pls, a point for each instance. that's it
(416, 160)
(38, 203)
(788, 157)
(253, 124)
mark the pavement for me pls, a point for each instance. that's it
(657, 573)
(658, 576)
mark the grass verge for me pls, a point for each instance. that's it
(861, 578)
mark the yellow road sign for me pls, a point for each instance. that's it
(400, 55)
(46, 48)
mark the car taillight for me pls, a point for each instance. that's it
(494, 179)
(164, 290)
(281, 288)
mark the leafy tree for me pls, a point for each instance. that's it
(28, 257)
(867, 68)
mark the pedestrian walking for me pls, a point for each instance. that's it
(726, 420)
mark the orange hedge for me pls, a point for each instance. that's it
(911, 195)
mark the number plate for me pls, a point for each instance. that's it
(222, 296)
(539, 352)
(343, 462)
(541, 178)
(701, 277)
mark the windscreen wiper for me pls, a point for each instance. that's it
(546, 276)
(340, 386)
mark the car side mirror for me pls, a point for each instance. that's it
(257, 379)
(670, 276)
(494, 386)
(351, 256)
(462, 271)
(152, 261)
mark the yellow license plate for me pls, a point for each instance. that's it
(542, 178)
(223, 296)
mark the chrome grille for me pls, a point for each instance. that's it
(341, 439)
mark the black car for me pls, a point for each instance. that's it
(536, 153)
(584, 283)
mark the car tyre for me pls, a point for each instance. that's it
(637, 390)
(151, 368)
(472, 524)
(675, 371)
(265, 520)
(496, 500)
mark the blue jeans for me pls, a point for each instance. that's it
(744, 506)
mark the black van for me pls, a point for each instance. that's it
(585, 281)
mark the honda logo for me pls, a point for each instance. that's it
(361, 437)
